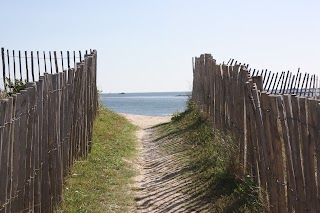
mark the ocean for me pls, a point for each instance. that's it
(153, 103)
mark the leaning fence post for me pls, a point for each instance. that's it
(3, 69)
(26, 60)
(32, 67)
(8, 59)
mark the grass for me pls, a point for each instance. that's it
(100, 183)
(210, 157)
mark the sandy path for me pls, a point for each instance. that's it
(160, 186)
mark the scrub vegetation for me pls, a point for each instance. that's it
(210, 157)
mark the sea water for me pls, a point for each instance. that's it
(153, 104)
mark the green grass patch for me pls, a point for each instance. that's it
(210, 157)
(100, 183)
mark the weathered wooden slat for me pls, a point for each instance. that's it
(26, 61)
(3, 152)
(38, 61)
(306, 151)
(223, 95)
(63, 123)
(59, 137)
(56, 61)
(81, 151)
(261, 137)
(11, 141)
(90, 103)
(306, 86)
(310, 90)
(52, 143)
(241, 106)
(20, 65)
(85, 98)
(304, 79)
(38, 145)
(62, 61)
(76, 116)
(265, 76)
(285, 82)
(207, 81)
(267, 81)
(14, 65)
(308, 161)
(8, 63)
(276, 84)
(292, 83)
(45, 182)
(3, 69)
(74, 60)
(232, 98)
(313, 137)
(32, 66)
(211, 82)
(298, 81)
(287, 85)
(68, 58)
(296, 148)
(70, 115)
(271, 80)
(252, 143)
(50, 59)
(315, 79)
(29, 186)
(292, 188)
(278, 177)
(291, 185)
(267, 119)
(45, 62)
(237, 120)
(19, 153)
(317, 135)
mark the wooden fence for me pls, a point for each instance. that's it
(43, 130)
(278, 134)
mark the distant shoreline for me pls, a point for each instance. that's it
(125, 93)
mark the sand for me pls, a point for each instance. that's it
(158, 187)
(144, 121)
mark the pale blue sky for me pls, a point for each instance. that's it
(148, 45)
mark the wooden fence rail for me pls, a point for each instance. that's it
(43, 130)
(277, 130)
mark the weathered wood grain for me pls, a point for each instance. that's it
(43, 129)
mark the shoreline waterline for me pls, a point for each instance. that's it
(146, 104)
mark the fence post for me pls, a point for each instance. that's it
(313, 137)
(291, 185)
(3, 69)
(277, 144)
(4, 139)
(308, 161)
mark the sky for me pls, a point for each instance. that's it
(148, 45)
